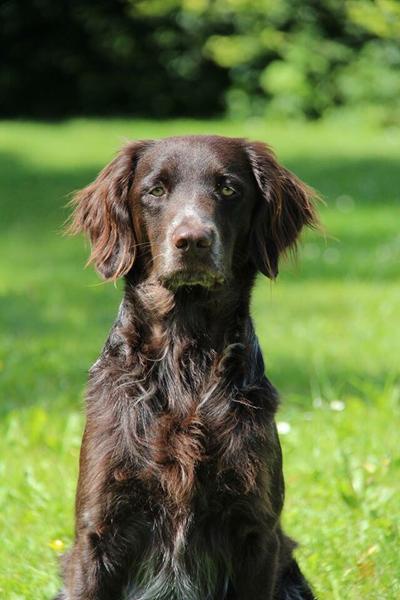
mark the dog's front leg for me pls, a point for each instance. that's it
(90, 570)
(255, 569)
(108, 529)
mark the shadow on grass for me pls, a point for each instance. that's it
(33, 197)
(366, 180)
(44, 319)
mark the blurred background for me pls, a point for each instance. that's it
(319, 80)
(169, 58)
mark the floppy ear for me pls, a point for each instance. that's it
(102, 211)
(285, 208)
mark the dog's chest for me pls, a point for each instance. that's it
(203, 448)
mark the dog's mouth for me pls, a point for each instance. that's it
(210, 280)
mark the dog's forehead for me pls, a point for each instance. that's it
(195, 155)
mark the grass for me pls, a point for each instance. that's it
(329, 329)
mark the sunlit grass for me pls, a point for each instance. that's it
(329, 330)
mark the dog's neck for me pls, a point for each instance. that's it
(210, 320)
(180, 348)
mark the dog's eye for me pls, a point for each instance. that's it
(157, 191)
(227, 191)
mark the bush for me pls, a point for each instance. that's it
(197, 57)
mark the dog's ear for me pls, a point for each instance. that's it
(285, 207)
(102, 211)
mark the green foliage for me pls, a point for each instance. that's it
(371, 82)
(274, 58)
(293, 58)
(328, 327)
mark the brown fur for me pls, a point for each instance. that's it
(181, 487)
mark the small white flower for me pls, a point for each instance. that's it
(283, 427)
(337, 405)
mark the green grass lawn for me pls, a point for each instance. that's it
(329, 327)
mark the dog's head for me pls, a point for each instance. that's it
(192, 211)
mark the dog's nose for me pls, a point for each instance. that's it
(196, 239)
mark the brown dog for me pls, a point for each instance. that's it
(181, 487)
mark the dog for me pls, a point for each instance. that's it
(180, 487)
